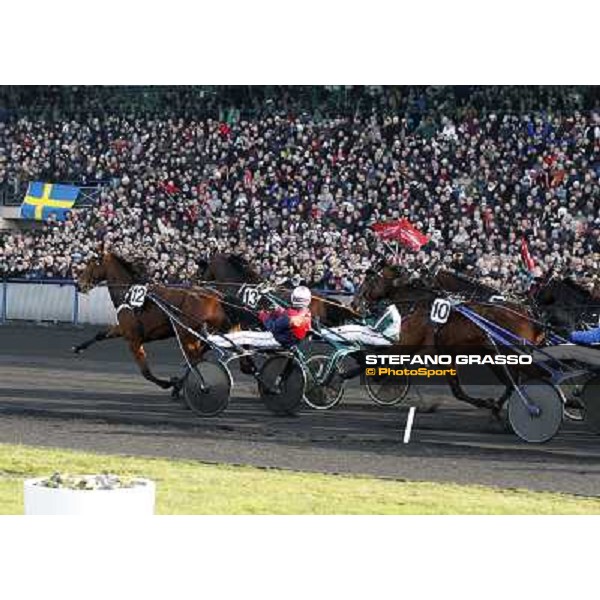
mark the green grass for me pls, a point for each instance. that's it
(185, 487)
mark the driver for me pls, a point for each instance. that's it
(284, 326)
(385, 332)
(290, 325)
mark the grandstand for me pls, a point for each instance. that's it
(293, 176)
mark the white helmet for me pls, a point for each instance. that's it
(301, 297)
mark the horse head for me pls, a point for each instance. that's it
(230, 268)
(564, 302)
(379, 284)
(112, 268)
(93, 274)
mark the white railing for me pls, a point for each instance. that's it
(54, 301)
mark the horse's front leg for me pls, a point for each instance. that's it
(508, 381)
(107, 334)
(139, 354)
(194, 350)
(460, 394)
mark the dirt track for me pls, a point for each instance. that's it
(99, 402)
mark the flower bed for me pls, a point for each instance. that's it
(103, 494)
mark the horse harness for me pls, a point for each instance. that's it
(134, 299)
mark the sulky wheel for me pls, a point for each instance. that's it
(386, 391)
(321, 394)
(541, 420)
(281, 384)
(207, 388)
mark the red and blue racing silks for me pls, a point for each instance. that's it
(288, 326)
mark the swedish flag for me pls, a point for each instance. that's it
(44, 199)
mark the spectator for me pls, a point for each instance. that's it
(294, 185)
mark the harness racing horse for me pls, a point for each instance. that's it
(229, 272)
(560, 303)
(195, 307)
(458, 283)
(566, 305)
(231, 269)
(414, 302)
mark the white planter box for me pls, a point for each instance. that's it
(136, 500)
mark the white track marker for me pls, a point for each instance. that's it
(409, 424)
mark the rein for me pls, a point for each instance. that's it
(280, 288)
(211, 283)
(497, 334)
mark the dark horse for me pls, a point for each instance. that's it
(196, 307)
(229, 271)
(452, 281)
(414, 302)
(560, 303)
(565, 304)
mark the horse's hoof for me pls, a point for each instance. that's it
(498, 417)
(247, 366)
(176, 384)
(76, 350)
(495, 412)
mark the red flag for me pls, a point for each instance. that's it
(402, 231)
(247, 178)
(526, 255)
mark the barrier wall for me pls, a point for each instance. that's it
(22, 300)
(40, 302)
(96, 308)
(49, 300)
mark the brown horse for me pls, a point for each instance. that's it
(226, 272)
(230, 271)
(414, 302)
(195, 307)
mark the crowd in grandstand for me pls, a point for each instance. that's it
(292, 178)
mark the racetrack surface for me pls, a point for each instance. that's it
(99, 402)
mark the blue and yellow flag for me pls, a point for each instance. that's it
(44, 199)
